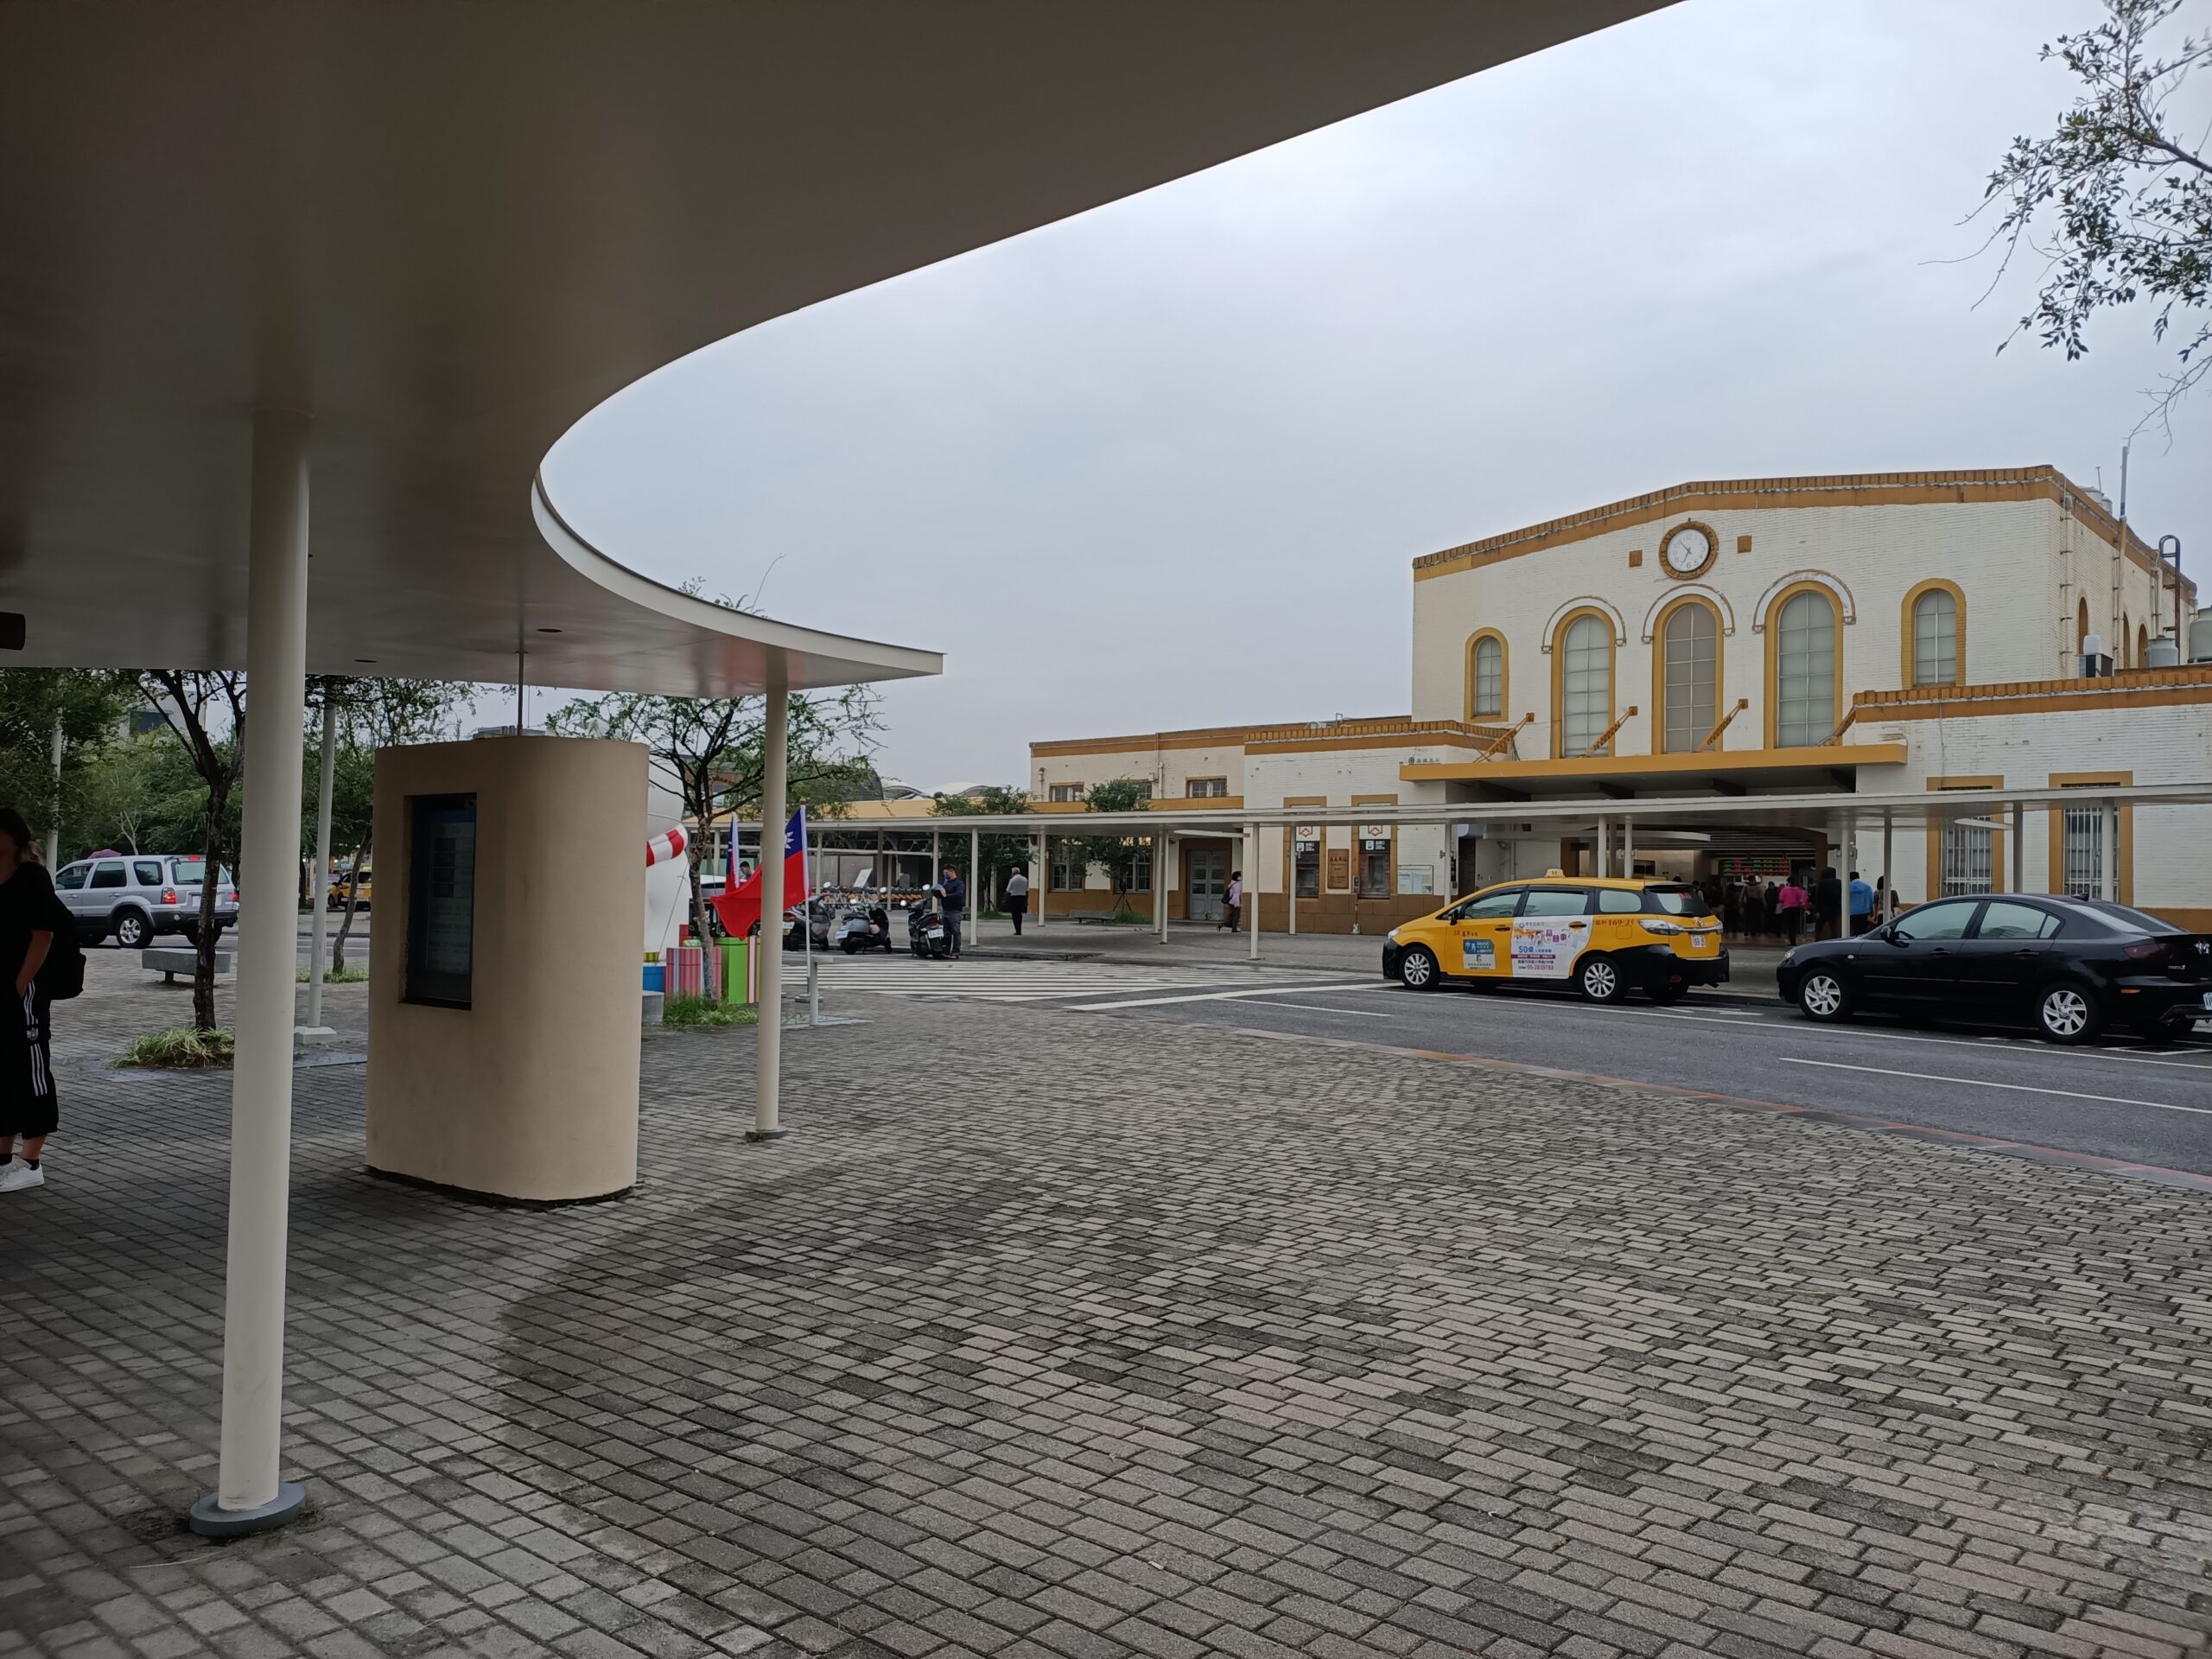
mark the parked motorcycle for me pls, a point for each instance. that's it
(860, 930)
(925, 931)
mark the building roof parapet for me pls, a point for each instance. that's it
(2180, 676)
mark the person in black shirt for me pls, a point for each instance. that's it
(30, 915)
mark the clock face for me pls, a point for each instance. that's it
(1689, 548)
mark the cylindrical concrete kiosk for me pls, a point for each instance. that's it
(503, 977)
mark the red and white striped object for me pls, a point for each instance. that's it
(664, 846)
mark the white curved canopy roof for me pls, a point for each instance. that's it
(448, 230)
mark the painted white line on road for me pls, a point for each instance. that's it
(1984, 1082)
(1216, 996)
(1316, 1008)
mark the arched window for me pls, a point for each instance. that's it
(1689, 678)
(2142, 645)
(1486, 677)
(2120, 658)
(1935, 638)
(1586, 677)
(2081, 626)
(1804, 669)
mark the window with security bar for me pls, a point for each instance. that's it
(1969, 859)
(2084, 849)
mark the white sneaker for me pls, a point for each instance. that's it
(18, 1175)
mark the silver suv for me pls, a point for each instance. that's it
(136, 896)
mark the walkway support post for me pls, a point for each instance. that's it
(1040, 881)
(975, 917)
(1160, 844)
(1252, 884)
(2020, 846)
(1605, 847)
(249, 1496)
(2111, 860)
(1889, 881)
(1627, 846)
(319, 878)
(775, 771)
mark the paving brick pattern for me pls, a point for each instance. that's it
(1043, 1335)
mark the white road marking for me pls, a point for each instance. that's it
(1984, 1082)
(1316, 1007)
(1216, 996)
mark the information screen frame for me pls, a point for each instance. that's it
(440, 959)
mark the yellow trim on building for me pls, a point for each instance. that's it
(1601, 768)
(1909, 631)
(2056, 871)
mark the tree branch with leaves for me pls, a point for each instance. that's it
(2118, 199)
(205, 712)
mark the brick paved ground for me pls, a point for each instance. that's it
(1046, 1336)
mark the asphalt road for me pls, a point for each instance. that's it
(2137, 1101)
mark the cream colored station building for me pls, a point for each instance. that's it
(1856, 635)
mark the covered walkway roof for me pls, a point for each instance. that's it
(446, 232)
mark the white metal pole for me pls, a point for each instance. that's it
(768, 1054)
(1040, 883)
(1160, 857)
(2020, 846)
(975, 917)
(1628, 845)
(1252, 884)
(318, 877)
(806, 922)
(249, 1496)
(1889, 880)
(1290, 868)
(1605, 847)
(53, 824)
(2110, 848)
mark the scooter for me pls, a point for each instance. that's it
(862, 930)
(925, 931)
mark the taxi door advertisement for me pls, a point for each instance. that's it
(1545, 947)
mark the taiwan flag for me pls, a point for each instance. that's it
(739, 906)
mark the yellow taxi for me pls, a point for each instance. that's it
(1598, 935)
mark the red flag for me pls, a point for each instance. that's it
(739, 906)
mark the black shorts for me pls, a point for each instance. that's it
(27, 1106)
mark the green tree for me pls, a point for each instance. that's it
(708, 751)
(1000, 854)
(371, 715)
(1117, 856)
(88, 705)
(2118, 197)
(119, 796)
(205, 713)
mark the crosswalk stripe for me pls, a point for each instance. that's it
(1030, 982)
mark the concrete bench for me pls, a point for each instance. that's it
(1084, 916)
(170, 960)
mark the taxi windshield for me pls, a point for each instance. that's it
(1677, 901)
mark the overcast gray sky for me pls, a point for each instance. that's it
(1166, 464)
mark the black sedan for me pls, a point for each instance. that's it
(2070, 967)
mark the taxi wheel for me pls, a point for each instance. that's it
(1599, 979)
(1417, 968)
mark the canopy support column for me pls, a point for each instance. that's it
(1160, 843)
(1041, 881)
(2020, 846)
(975, 917)
(1889, 881)
(2111, 860)
(1252, 884)
(1627, 846)
(319, 878)
(775, 773)
(1604, 848)
(249, 1494)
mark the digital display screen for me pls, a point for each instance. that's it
(441, 902)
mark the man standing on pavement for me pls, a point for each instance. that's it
(1017, 898)
(1862, 904)
(953, 892)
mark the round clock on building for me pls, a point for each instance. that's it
(1688, 550)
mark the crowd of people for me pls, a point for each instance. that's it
(1802, 905)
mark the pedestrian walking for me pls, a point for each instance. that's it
(1232, 901)
(1017, 898)
(1862, 904)
(952, 901)
(1828, 905)
(30, 916)
(1789, 907)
